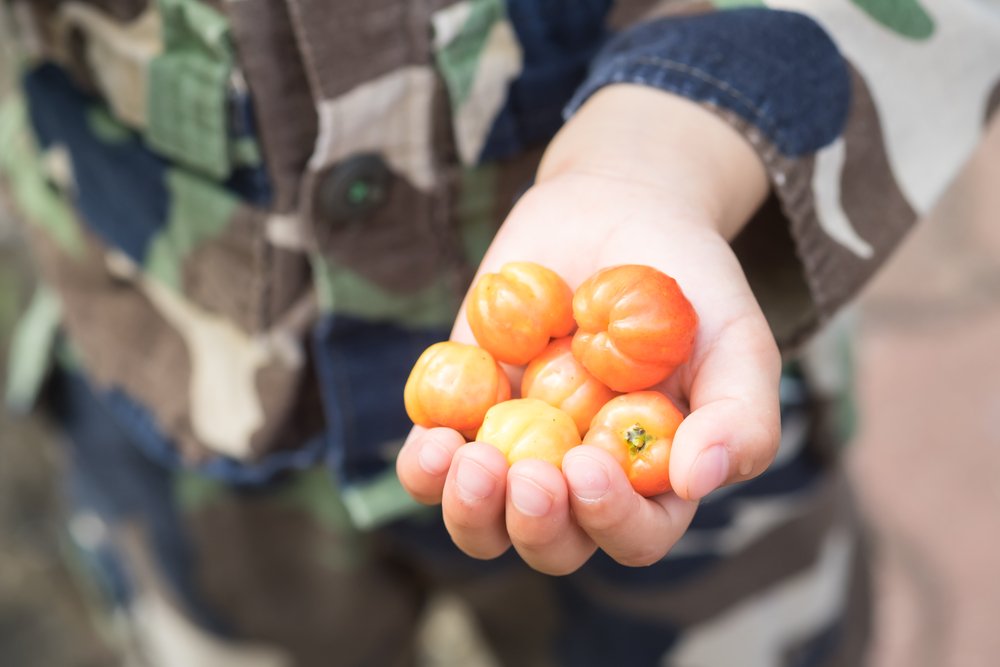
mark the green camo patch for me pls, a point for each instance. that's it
(380, 501)
(312, 493)
(904, 17)
(459, 58)
(193, 25)
(731, 4)
(106, 127)
(40, 203)
(187, 112)
(475, 210)
(30, 355)
(194, 492)
(188, 87)
(315, 492)
(199, 211)
(245, 152)
(478, 55)
(342, 291)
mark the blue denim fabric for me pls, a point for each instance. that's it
(144, 432)
(559, 39)
(777, 70)
(362, 368)
(114, 481)
(121, 187)
(252, 183)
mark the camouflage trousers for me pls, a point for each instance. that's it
(195, 573)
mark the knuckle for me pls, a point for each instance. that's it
(599, 519)
(556, 564)
(607, 515)
(475, 536)
(643, 555)
(486, 553)
(557, 569)
(426, 497)
(533, 541)
(482, 549)
(421, 492)
(462, 522)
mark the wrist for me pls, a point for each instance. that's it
(654, 139)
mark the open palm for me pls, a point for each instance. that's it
(575, 224)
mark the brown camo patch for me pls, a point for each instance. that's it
(871, 198)
(121, 10)
(241, 277)
(401, 246)
(626, 13)
(125, 343)
(992, 103)
(259, 555)
(360, 41)
(123, 340)
(283, 106)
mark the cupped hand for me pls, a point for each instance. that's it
(671, 200)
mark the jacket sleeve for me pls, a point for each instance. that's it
(861, 119)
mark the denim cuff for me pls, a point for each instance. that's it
(778, 79)
(778, 71)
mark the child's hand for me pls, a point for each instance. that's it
(636, 177)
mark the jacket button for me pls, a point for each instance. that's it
(354, 188)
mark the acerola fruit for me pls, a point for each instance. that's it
(638, 430)
(556, 377)
(453, 385)
(527, 428)
(514, 313)
(636, 326)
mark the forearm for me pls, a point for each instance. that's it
(649, 137)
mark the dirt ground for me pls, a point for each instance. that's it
(926, 462)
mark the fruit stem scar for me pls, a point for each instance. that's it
(637, 439)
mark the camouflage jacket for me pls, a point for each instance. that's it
(252, 216)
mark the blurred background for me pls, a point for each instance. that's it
(926, 461)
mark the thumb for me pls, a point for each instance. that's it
(734, 428)
(721, 443)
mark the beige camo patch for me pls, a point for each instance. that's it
(916, 84)
(390, 115)
(225, 407)
(118, 54)
(498, 62)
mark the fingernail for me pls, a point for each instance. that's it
(529, 498)
(709, 471)
(474, 482)
(434, 458)
(587, 477)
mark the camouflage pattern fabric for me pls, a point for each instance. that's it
(205, 573)
(245, 211)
